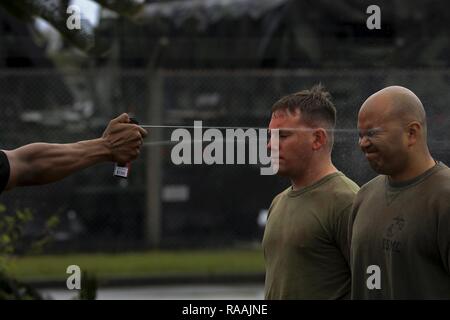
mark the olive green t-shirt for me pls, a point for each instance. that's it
(404, 230)
(305, 241)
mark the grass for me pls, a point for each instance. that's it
(152, 263)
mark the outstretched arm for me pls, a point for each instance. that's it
(41, 163)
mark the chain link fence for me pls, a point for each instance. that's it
(180, 206)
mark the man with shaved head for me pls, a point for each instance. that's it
(400, 223)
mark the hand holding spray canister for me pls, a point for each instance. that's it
(122, 170)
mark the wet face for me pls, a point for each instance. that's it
(295, 143)
(382, 137)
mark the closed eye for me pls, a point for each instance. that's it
(369, 133)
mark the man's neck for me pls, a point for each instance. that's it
(414, 169)
(313, 174)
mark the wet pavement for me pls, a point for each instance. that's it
(169, 292)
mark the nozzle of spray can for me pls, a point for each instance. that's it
(122, 170)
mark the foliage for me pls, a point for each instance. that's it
(14, 241)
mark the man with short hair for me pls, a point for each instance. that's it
(41, 163)
(305, 240)
(400, 224)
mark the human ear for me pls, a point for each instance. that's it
(319, 138)
(414, 132)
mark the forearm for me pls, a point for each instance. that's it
(41, 163)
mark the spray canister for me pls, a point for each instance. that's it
(122, 170)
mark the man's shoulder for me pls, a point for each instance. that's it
(282, 194)
(279, 196)
(340, 190)
(345, 192)
(439, 182)
(336, 195)
(373, 186)
(443, 172)
(344, 184)
(375, 183)
(439, 190)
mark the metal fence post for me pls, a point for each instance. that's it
(154, 161)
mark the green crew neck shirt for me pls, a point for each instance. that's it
(404, 230)
(305, 241)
